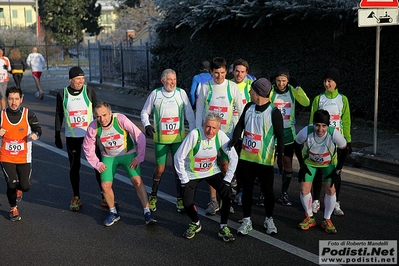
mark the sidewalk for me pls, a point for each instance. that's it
(130, 101)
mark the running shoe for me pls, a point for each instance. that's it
(337, 209)
(19, 195)
(284, 199)
(111, 219)
(192, 230)
(14, 214)
(245, 227)
(261, 201)
(41, 93)
(316, 206)
(225, 234)
(179, 205)
(76, 203)
(328, 226)
(153, 203)
(149, 219)
(213, 207)
(270, 226)
(307, 223)
(105, 204)
(238, 198)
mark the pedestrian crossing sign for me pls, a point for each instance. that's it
(379, 4)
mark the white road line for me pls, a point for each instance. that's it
(371, 177)
(254, 233)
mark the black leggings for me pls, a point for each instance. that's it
(17, 79)
(17, 177)
(265, 176)
(74, 149)
(189, 194)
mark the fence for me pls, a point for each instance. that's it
(118, 64)
(53, 54)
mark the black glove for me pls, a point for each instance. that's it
(233, 142)
(149, 131)
(182, 189)
(349, 148)
(5, 67)
(302, 172)
(58, 141)
(225, 189)
(335, 177)
(293, 82)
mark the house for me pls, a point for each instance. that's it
(17, 13)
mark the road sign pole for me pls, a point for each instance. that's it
(377, 71)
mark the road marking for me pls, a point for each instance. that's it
(371, 177)
(254, 233)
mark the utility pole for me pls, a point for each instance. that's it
(37, 22)
(9, 9)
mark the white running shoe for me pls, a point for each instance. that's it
(337, 209)
(245, 227)
(315, 206)
(270, 226)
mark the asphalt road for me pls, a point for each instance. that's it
(50, 234)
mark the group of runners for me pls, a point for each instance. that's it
(243, 123)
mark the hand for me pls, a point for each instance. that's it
(233, 142)
(335, 177)
(349, 148)
(149, 131)
(102, 168)
(34, 136)
(293, 82)
(58, 141)
(182, 189)
(134, 164)
(5, 67)
(2, 132)
(225, 189)
(302, 172)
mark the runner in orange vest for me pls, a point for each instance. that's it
(18, 128)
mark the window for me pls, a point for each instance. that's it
(29, 16)
(15, 14)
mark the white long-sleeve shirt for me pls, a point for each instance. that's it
(182, 160)
(36, 62)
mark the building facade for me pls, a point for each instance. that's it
(17, 13)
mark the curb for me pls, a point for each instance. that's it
(371, 162)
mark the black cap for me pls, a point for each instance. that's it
(321, 116)
(75, 72)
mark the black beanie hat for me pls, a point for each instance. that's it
(262, 87)
(75, 72)
(282, 71)
(321, 116)
(333, 74)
